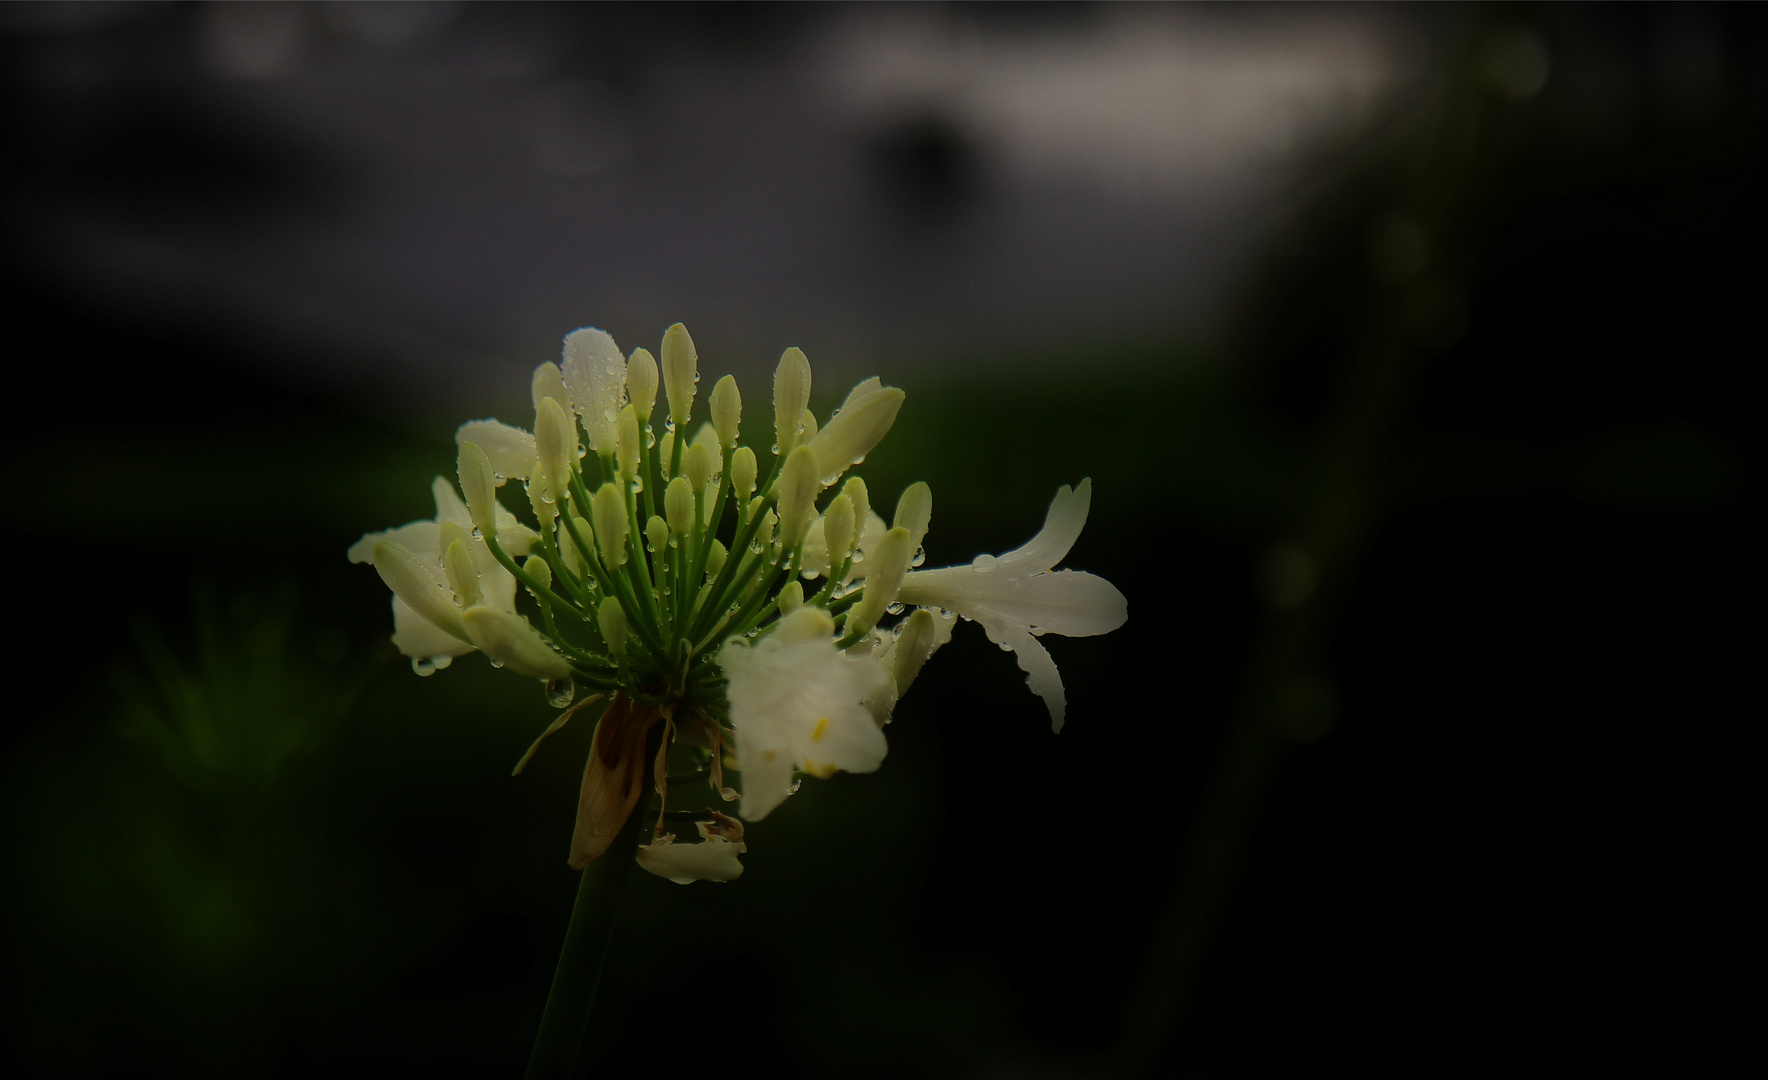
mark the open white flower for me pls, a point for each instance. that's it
(798, 703)
(1017, 598)
(432, 644)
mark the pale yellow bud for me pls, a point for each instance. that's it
(610, 525)
(627, 446)
(727, 410)
(641, 382)
(447, 532)
(678, 503)
(512, 642)
(855, 490)
(791, 393)
(743, 468)
(574, 557)
(555, 439)
(548, 383)
(916, 642)
(764, 534)
(546, 508)
(478, 483)
(611, 618)
(887, 565)
(838, 531)
(680, 373)
(715, 557)
(914, 511)
(657, 533)
(791, 598)
(413, 583)
(806, 428)
(666, 453)
(798, 490)
(858, 426)
(463, 573)
(708, 435)
(535, 567)
(698, 463)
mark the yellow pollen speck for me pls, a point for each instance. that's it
(769, 754)
(821, 729)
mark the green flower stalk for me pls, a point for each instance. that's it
(724, 621)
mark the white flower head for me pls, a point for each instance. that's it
(798, 704)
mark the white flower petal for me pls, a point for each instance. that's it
(713, 859)
(421, 639)
(1040, 671)
(1062, 526)
(512, 451)
(1067, 602)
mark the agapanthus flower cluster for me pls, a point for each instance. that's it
(769, 622)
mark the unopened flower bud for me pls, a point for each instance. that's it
(698, 464)
(627, 444)
(595, 380)
(657, 533)
(512, 642)
(916, 642)
(806, 428)
(791, 598)
(611, 618)
(463, 573)
(535, 567)
(914, 511)
(838, 531)
(447, 532)
(727, 411)
(764, 534)
(791, 393)
(540, 498)
(555, 441)
(680, 373)
(576, 559)
(855, 490)
(708, 435)
(413, 583)
(715, 556)
(888, 563)
(859, 425)
(479, 485)
(610, 525)
(548, 383)
(743, 472)
(678, 503)
(641, 383)
(798, 490)
(666, 454)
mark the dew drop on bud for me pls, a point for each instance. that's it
(895, 608)
(983, 564)
(422, 667)
(560, 692)
(496, 663)
(920, 557)
(477, 535)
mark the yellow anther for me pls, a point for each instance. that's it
(821, 729)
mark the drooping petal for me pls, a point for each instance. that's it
(613, 778)
(1040, 670)
(419, 583)
(1062, 526)
(1072, 603)
(511, 450)
(513, 642)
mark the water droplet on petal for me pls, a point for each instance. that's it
(496, 663)
(1006, 647)
(920, 557)
(895, 608)
(422, 667)
(441, 662)
(477, 535)
(983, 564)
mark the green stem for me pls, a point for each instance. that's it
(559, 1042)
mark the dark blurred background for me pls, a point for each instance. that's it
(1407, 349)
